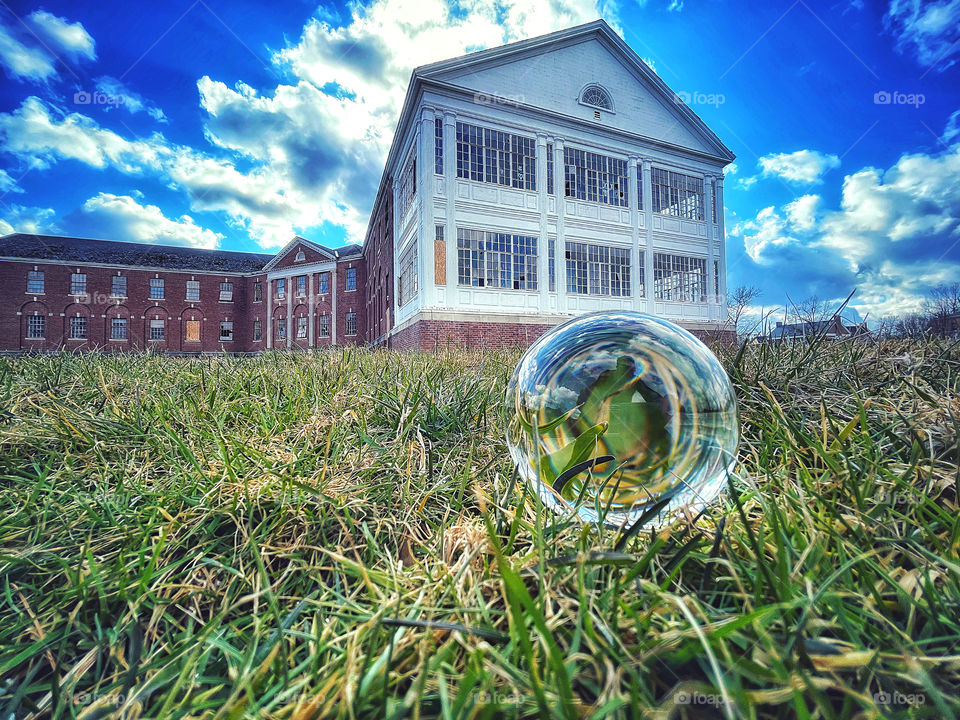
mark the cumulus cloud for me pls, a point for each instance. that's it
(120, 217)
(802, 166)
(801, 213)
(19, 218)
(8, 184)
(30, 50)
(126, 98)
(931, 30)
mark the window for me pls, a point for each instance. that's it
(716, 280)
(640, 186)
(118, 328)
(158, 329)
(301, 327)
(281, 288)
(679, 278)
(597, 269)
(226, 331)
(36, 326)
(118, 287)
(677, 194)
(491, 259)
(351, 323)
(596, 96)
(78, 284)
(300, 257)
(193, 290)
(407, 187)
(552, 263)
(193, 331)
(641, 269)
(439, 256)
(301, 285)
(549, 168)
(324, 283)
(407, 281)
(258, 291)
(226, 292)
(78, 328)
(257, 331)
(281, 328)
(351, 278)
(324, 326)
(716, 200)
(156, 288)
(593, 177)
(438, 145)
(496, 157)
(35, 281)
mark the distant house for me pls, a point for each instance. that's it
(946, 325)
(832, 329)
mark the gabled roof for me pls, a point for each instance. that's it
(109, 252)
(332, 254)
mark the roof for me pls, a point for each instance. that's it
(346, 251)
(809, 328)
(111, 252)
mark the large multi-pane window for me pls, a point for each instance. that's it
(156, 288)
(258, 291)
(78, 328)
(593, 177)
(677, 194)
(281, 328)
(713, 196)
(549, 168)
(639, 186)
(351, 278)
(496, 157)
(407, 281)
(679, 278)
(226, 331)
(499, 260)
(78, 284)
(301, 285)
(118, 286)
(35, 281)
(36, 326)
(407, 187)
(226, 292)
(552, 263)
(257, 330)
(351, 328)
(193, 290)
(716, 280)
(324, 283)
(158, 329)
(438, 145)
(597, 269)
(302, 326)
(118, 328)
(281, 288)
(324, 326)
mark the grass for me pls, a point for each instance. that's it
(339, 535)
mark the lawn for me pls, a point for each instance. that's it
(340, 534)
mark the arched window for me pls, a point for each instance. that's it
(301, 256)
(596, 96)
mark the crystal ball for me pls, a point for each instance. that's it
(614, 414)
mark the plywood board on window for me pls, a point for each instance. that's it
(440, 261)
(193, 331)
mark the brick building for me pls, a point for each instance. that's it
(525, 184)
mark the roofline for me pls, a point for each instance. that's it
(146, 268)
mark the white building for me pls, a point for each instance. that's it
(538, 180)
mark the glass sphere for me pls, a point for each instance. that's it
(614, 412)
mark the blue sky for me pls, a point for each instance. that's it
(236, 123)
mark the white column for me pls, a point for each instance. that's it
(560, 249)
(269, 314)
(712, 299)
(450, 229)
(311, 319)
(648, 226)
(635, 301)
(543, 259)
(722, 249)
(425, 191)
(288, 291)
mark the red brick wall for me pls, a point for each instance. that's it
(438, 334)
(351, 301)
(378, 256)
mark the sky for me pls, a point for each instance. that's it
(237, 124)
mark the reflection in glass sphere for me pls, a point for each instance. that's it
(611, 413)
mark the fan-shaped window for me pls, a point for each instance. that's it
(596, 96)
(301, 256)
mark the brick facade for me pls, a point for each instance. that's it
(442, 334)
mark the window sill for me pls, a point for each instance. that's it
(34, 293)
(119, 340)
(226, 301)
(35, 338)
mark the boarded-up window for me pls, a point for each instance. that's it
(439, 257)
(193, 331)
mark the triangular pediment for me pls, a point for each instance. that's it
(299, 251)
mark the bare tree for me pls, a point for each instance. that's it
(813, 309)
(738, 301)
(942, 308)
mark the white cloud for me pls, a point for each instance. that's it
(730, 169)
(19, 218)
(801, 213)
(766, 230)
(121, 217)
(8, 184)
(802, 166)
(126, 98)
(930, 29)
(952, 129)
(30, 50)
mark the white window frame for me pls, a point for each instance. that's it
(34, 277)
